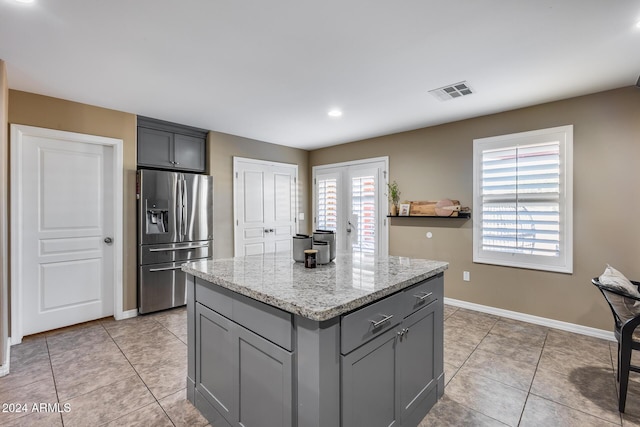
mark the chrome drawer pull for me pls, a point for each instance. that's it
(381, 321)
(423, 297)
(153, 270)
(184, 248)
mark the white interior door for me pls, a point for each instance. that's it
(349, 198)
(64, 229)
(265, 197)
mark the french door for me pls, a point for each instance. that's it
(349, 198)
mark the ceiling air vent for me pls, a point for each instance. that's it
(455, 90)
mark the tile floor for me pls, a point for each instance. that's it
(498, 372)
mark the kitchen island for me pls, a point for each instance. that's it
(357, 342)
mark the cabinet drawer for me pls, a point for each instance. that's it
(214, 297)
(368, 322)
(269, 322)
(421, 295)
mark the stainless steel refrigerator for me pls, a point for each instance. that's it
(175, 225)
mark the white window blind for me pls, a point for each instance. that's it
(522, 197)
(327, 204)
(363, 207)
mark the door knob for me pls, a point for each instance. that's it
(108, 240)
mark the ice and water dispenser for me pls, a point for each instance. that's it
(157, 216)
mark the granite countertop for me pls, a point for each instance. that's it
(347, 283)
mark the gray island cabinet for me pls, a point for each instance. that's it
(357, 342)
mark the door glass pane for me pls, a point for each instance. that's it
(363, 209)
(327, 204)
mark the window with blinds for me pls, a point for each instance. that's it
(327, 204)
(523, 201)
(363, 207)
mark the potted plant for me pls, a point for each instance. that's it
(394, 197)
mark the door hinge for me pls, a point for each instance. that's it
(237, 223)
(385, 174)
(295, 180)
(315, 182)
(236, 175)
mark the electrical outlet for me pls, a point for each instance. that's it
(465, 276)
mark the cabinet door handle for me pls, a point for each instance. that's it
(381, 321)
(403, 332)
(423, 297)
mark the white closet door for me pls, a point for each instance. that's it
(265, 197)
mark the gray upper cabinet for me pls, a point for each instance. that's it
(166, 145)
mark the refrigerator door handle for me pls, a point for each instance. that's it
(178, 209)
(154, 270)
(183, 248)
(184, 207)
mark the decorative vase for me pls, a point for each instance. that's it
(394, 210)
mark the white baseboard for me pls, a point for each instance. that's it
(551, 323)
(4, 369)
(127, 314)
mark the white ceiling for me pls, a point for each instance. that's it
(271, 70)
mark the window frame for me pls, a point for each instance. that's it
(564, 262)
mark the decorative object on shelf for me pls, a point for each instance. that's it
(444, 207)
(461, 215)
(404, 209)
(394, 197)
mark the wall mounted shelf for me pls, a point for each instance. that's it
(461, 215)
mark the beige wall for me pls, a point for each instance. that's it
(431, 163)
(52, 113)
(436, 162)
(4, 212)
(42, 111)
(222, 148)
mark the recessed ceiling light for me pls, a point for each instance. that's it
(638, 24)
(335, 113)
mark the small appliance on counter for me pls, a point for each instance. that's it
(329, 237)
(324, 241)
(301, 243)
(323, 252)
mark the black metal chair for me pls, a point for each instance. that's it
(625, 325)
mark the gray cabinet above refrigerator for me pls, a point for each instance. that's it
(171, 146)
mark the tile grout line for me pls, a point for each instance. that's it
(53, 376)
(546, 335)
(463, 363)
(553, 401)
(143, 382)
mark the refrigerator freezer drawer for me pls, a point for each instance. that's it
(176, 252)
(161, 286)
